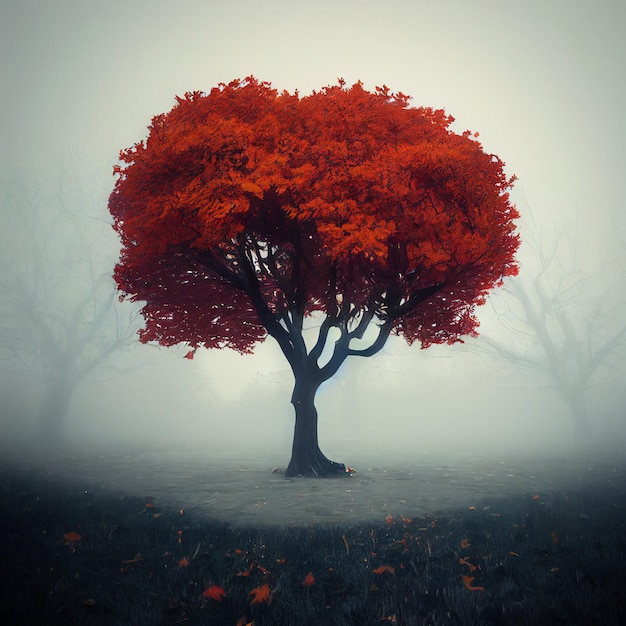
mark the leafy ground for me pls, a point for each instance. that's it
(76, 554)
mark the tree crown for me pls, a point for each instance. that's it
(246, 210)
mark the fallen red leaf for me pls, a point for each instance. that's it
(309, 580)
(247, 571)
(72, 536)
(464, 561)
(465, 543)
(214, 592)
(261, 594)
(184, 562)
(467, 581)
(385, 568)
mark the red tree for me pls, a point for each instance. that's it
(247, 210)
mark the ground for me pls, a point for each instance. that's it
(77, 553)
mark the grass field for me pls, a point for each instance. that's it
(76, 553)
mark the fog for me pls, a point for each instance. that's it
(542, 84)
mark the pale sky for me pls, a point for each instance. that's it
(542, 81)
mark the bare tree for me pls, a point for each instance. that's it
(560, 320)
(59, 315)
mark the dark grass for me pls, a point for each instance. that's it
(553, 559)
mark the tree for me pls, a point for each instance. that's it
(247, 210)
(59, 319)
(561, 321)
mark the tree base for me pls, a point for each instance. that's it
(317, 468)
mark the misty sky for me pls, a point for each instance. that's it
(541, 81)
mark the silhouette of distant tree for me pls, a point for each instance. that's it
(60, 318)
(561, 321)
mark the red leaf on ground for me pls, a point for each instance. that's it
(247, 571)
(467, 581)
(471, 566)
(72, 536)
(261, 594)
(385, 568)
(309, 580)
(465, 543)
(184, 562)
(214, 592)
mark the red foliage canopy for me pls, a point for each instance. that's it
(246, 210)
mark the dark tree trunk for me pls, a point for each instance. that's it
(306, 457)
